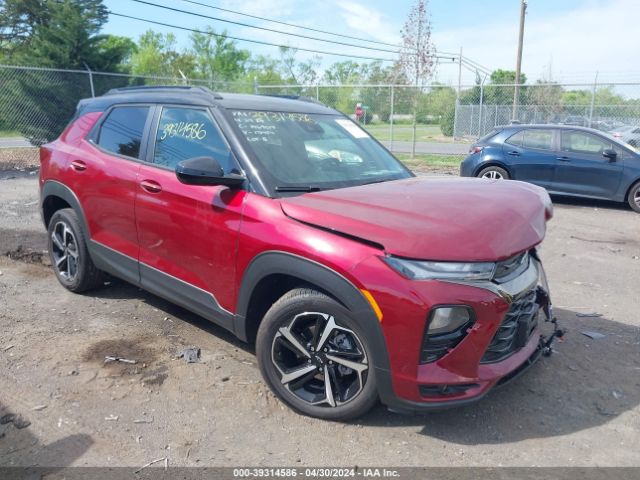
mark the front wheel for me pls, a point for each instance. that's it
(494, 173)
(634, 197)
(314, 357)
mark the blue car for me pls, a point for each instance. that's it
(566, 160)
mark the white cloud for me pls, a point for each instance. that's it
(369, 21)
(596, 37)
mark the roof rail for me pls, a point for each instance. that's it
(151, 88)
(302, 98)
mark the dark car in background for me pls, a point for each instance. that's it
(566, 160)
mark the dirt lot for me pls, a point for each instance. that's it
(580, 407)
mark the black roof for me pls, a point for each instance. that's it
(202, 96)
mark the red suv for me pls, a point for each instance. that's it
(283, 221)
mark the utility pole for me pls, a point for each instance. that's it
(455, 112)
(516, 90)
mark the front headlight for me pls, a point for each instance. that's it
(419, 270)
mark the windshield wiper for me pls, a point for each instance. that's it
(299, 188)
(379, 180)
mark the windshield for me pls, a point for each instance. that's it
(620, 141)
(300, 152)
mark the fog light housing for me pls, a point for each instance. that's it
(447, 319)
(446, 326)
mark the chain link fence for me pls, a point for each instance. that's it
(435, 122)
(607, 107)
(37, 103)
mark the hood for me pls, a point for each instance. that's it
(455, 219)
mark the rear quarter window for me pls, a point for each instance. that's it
(488, 136)
(516, 139)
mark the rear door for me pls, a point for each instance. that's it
(104, 178)
(531, 155)
(188, 233)
(583, 170)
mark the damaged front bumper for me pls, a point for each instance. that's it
(517, 342)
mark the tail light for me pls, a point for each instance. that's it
(475, 149)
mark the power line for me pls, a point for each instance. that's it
(240, 39)
(263, 28)
(235, 12)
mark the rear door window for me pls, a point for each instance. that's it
(121, 132)
(538, 139)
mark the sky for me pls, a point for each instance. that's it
(565, 40)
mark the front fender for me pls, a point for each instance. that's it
(278, 262)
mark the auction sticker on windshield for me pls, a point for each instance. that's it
(352, 128)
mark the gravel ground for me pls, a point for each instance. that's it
(580, 407)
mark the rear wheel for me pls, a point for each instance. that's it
(69, 255)
(314, 357)
(634, 197)
(494, 173)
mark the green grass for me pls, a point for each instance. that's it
(429, 160)
(404, 133)
(9, 133)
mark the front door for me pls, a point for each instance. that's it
(188, 233)
(583, 170)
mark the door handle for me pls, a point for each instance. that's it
(514, 153)
(563, 159)
(78, 165)
(151, 186)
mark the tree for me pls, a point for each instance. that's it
(416, 56)
(18, 21)
(299, 73)
(264, 70)
(69, 37)
(216, 58)
(346, 72)
(115, 53)
(156, 55)
(500, 94)
(59, 34)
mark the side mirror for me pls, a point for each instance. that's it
(206, 171)
(609, 153)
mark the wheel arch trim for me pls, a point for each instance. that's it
(632, 184)
(285, 263)
(492, 163)
(53, 188)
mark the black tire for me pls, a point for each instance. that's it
(499, 172)
(633, 199)
(78, 273)
(293, 309)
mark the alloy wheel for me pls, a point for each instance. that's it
(320, 362)
(493, 174)
(636, 197)
(64, 251)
